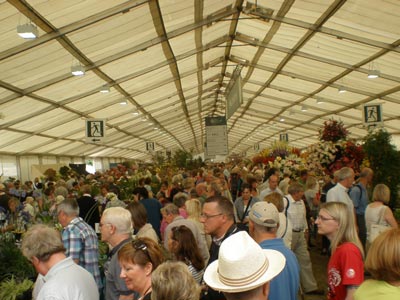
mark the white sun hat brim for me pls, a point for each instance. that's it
(276, 263)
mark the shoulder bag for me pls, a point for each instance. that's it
(377, 229)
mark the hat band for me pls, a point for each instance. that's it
(246, 280)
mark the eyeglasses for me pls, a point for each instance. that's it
(205, 216)
(102, 224)
(322, 218)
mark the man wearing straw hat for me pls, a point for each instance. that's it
(263, 227)
(243, 269)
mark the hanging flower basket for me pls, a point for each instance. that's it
(333, 131)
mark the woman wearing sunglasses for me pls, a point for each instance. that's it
(345, 267)
(138, 260)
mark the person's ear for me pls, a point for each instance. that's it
(174, 244)
(113, 228)
(265, 290)
(251, 228)
(34, 260)
(148, 268)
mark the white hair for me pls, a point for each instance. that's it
(120, 218)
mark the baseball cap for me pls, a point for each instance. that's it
(265, 214)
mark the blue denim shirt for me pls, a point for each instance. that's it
(359, 195)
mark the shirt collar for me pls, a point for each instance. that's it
(341, 186)
(58, 266)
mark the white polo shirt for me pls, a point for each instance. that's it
(339, 193)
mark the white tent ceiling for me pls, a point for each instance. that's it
(171, 61)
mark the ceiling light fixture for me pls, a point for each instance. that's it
(341, 89)
(27, 31)
(78, 70)
(282, 119)
(123, 103)
(104, 89)
(135, 113)
(304, 108)
(320, 101)
(372, 74)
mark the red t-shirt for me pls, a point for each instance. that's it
(345, 268)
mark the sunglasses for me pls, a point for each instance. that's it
(139, 245)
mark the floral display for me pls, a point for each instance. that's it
(333, 131)
(334, 152)
(281, 156)
(334, 156)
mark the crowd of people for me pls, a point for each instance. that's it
(222, 232)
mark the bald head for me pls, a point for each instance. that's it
(273, 182)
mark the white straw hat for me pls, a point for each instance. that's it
(242, 265)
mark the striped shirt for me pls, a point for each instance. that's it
(197, 275)
(81, 244)
(296, 214)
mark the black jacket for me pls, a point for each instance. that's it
(214, 251)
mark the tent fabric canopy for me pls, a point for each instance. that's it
(171, 61)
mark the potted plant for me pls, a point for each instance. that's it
(16, 272)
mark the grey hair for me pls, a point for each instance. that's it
(366, 172)
(61, 191)
(41, 241)
(249, 294)
(69, 207)
(294, 188)
(170, 208)
(120, 218)
(345, 173)
(180, 199)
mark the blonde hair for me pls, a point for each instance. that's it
(188, 183)
(311, 183)
(381, 193)
(172, 280)
(347, 231)
(193, 208)
(276, 199)
(383, 259)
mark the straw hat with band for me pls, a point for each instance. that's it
(242, 265)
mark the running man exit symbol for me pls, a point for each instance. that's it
(372, 114)
(95, 130)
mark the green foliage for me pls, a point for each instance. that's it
(159, 159)
(103, 252)
(126, 186)
(184, 159)
(396, 214)
(64, 172)
(13, 263)
(15, 272)
(10, 288)
(384, 159)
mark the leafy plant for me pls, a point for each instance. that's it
(13, 263)
(384, 160)
(397, 214)
(11, 289)
(64, 172)
(184, 159)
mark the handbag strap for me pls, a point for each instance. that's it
(245, 212)
(381, 214)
